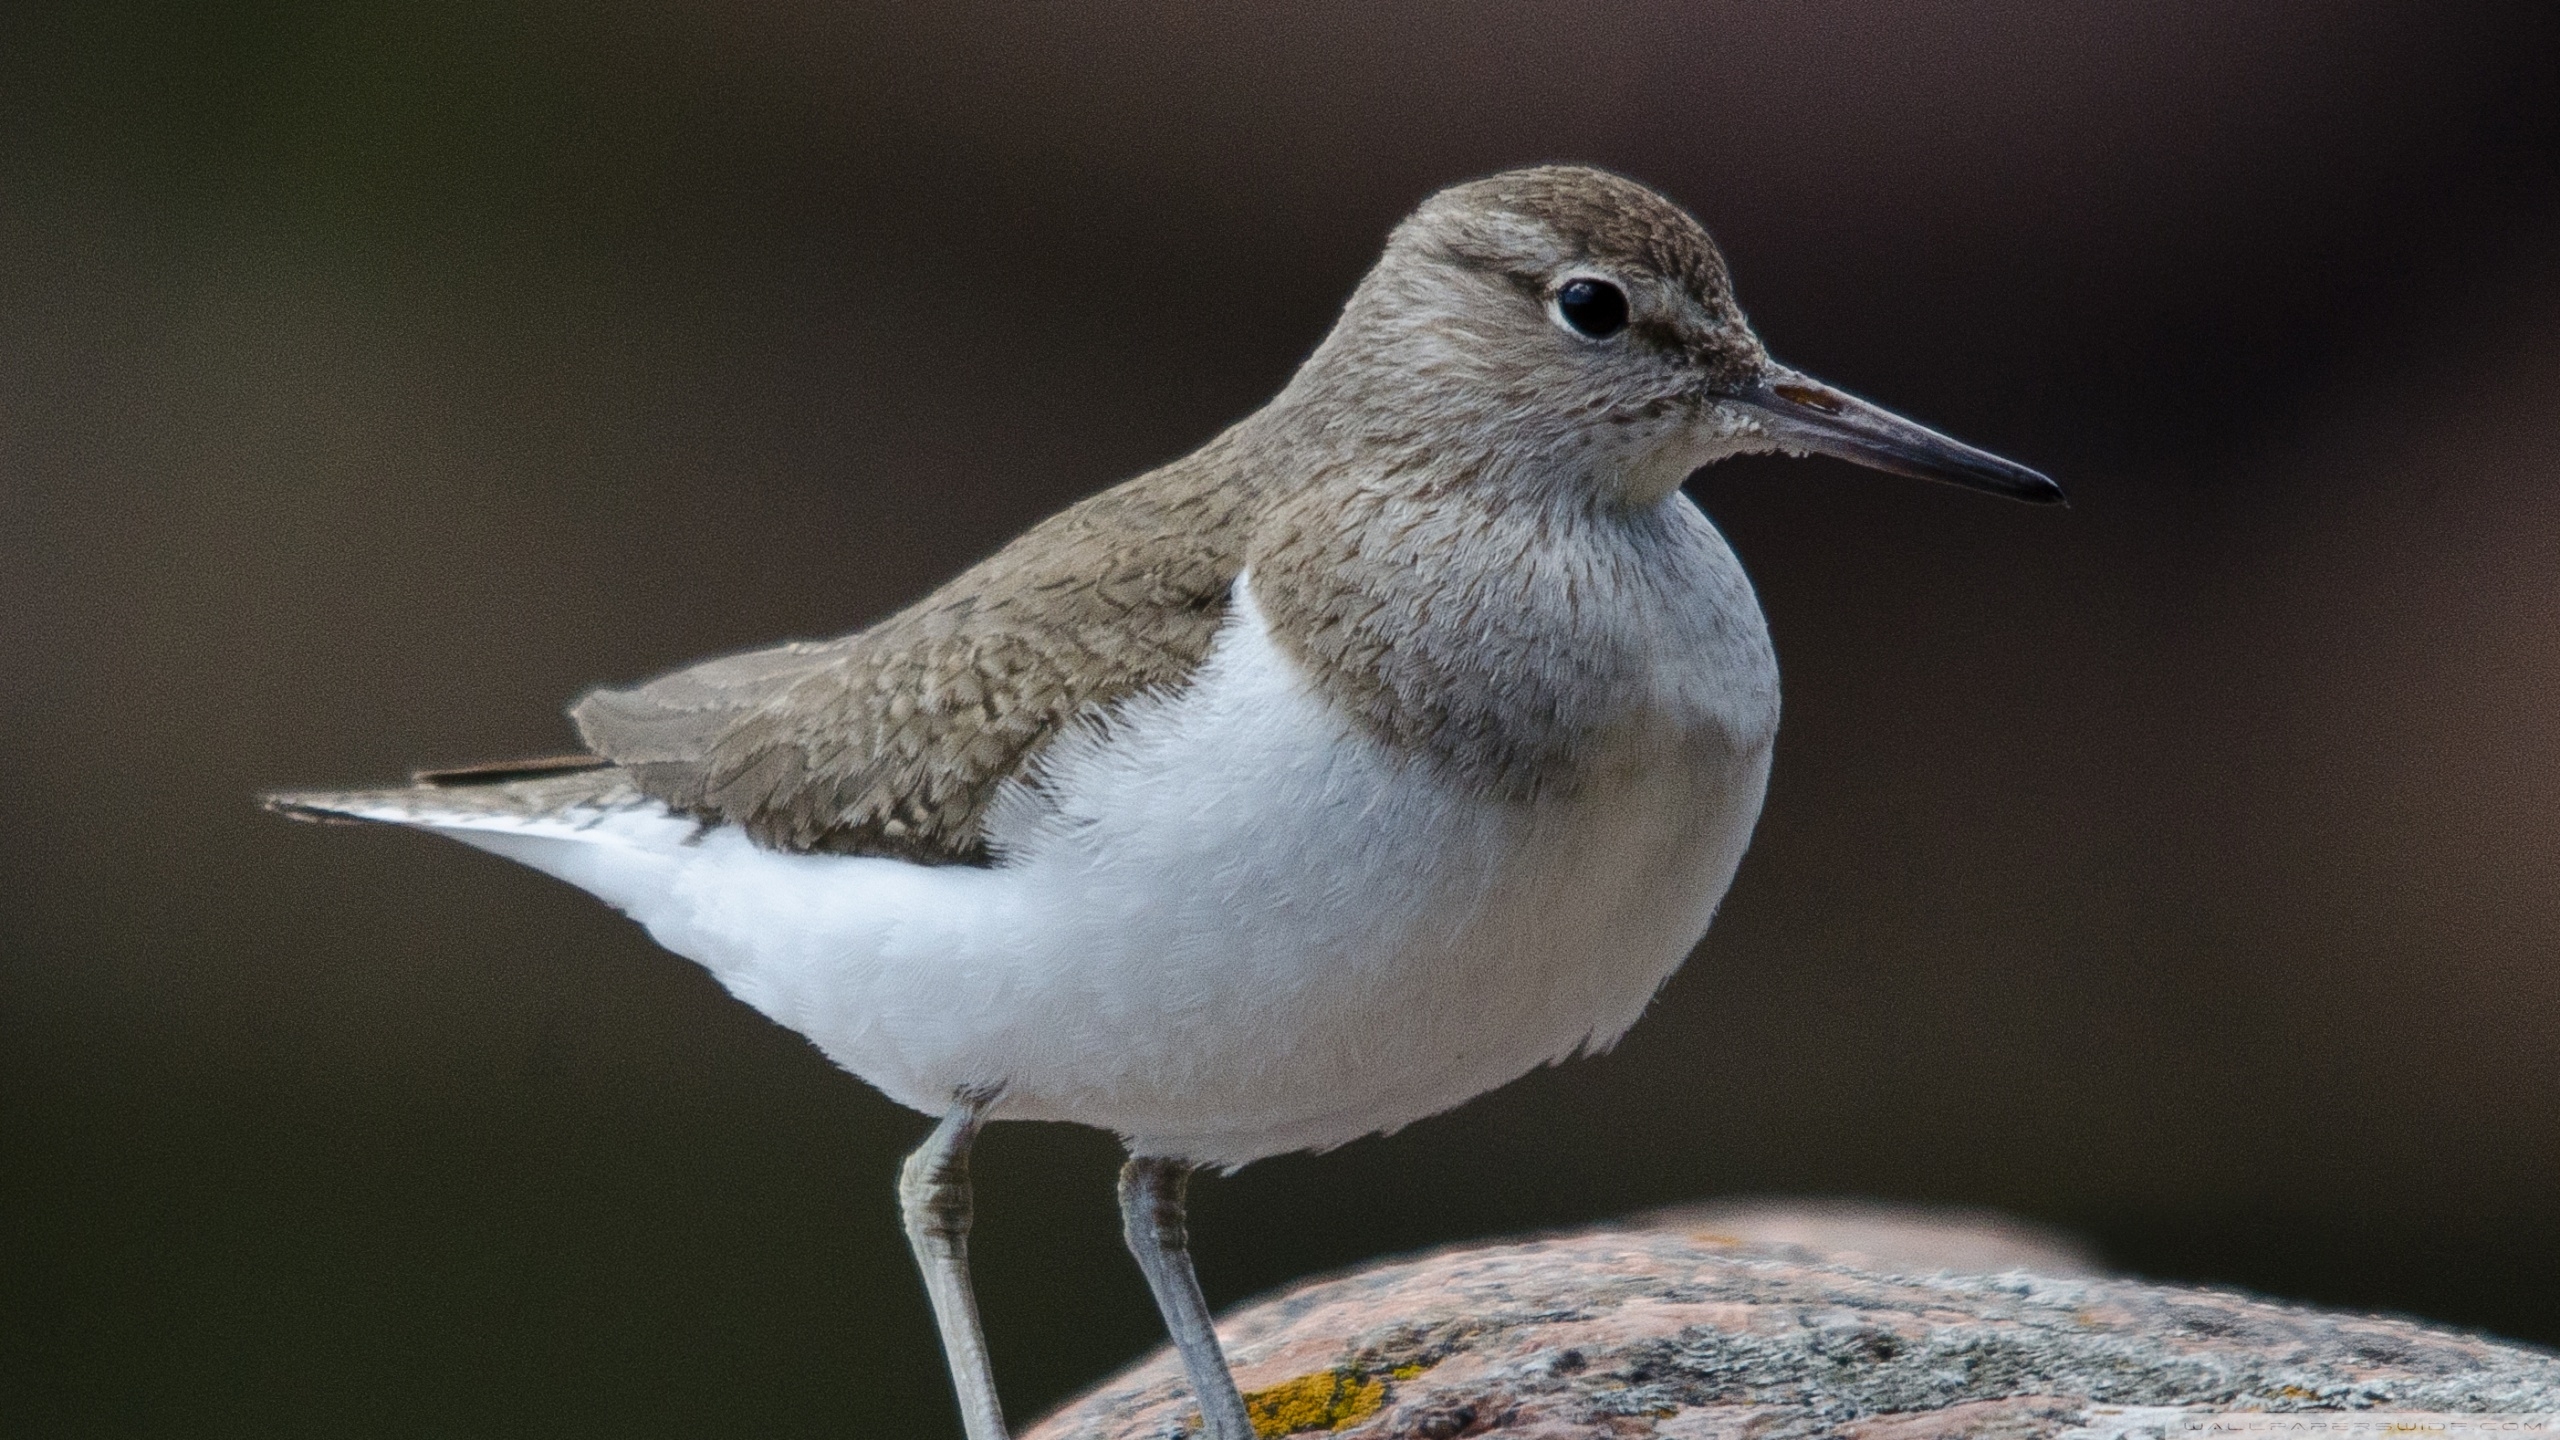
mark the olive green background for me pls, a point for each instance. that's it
(2184, 867)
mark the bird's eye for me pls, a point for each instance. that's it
(1592, 307)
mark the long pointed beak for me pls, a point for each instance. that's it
(1802, 413)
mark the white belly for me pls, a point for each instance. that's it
(1226, 925)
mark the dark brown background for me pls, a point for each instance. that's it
(2180, 867)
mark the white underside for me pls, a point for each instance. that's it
(1225, 925)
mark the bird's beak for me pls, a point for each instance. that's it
(1802, 413)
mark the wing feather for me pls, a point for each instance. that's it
(893, 741)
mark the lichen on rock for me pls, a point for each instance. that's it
(1319, 1400)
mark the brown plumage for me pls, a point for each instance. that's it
(895, 741)
(1428, 510)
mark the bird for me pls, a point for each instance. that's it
(1401, 739)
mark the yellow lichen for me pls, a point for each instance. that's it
(1408, 1371)
(1323, 1400)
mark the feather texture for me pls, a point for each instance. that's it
(894, 740)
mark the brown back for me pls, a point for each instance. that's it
(893, 741)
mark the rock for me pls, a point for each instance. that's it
(1733, 1322)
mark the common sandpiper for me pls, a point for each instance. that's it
(1397, 741)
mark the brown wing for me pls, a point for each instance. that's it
(894, 741)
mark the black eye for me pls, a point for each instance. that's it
(1593, 307)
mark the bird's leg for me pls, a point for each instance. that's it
(933, 1191)
(1151, 1217)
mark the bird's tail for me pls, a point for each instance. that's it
(578, 818)
(511, 793)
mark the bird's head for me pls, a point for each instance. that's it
(1573, 322)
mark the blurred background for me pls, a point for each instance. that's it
(2183, 868)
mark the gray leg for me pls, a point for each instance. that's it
(933, 1191)
(1151, 1216)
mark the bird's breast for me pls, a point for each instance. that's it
(1519, 645)
(1295, 933)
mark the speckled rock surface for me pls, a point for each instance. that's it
(1698, 1324)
